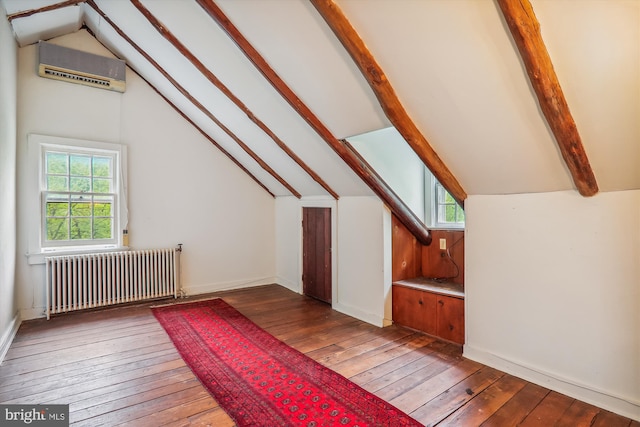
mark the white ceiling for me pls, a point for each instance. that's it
(452, 63)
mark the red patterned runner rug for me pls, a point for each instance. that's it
(260, 381)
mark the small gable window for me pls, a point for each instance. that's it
(447, 213)
(387, 152)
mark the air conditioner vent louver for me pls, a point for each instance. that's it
(70, 65)
(71, 76)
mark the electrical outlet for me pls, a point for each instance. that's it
(443, 244)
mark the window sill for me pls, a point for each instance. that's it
(443, 227)
(39, 257)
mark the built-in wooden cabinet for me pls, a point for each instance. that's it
(434, 308)
(428, 282)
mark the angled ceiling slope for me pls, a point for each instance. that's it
(175, 73)
(456, 68)
(95, 17)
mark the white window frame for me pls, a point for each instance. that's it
(431, 198)
(37, 146)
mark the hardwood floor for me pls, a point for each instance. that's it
(118, 367)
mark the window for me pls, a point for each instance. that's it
(79, 198)
(406, 174)
(442, 209)
(80, 185)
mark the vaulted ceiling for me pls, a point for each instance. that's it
(279, 78)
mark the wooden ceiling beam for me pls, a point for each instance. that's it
(194, 101)
(380, 186)
(198, 128)
(213, 79)
(525, 30)
(389, 101)
(55, 6)
(400, 209)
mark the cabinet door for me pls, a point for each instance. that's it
(451, 319)
(415, 309)
(407, 307)
(429, 313)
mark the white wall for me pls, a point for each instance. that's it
(361, 253)
(553, 292)
(231, 233)
(181, 188)
(9, 320)
(364, 266)
(289, 242)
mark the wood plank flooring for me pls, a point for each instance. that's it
(117, 367)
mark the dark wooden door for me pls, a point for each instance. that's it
(316, 253)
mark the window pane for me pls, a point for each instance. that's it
(102, 207)
(80, 206)
(451, 213)
(57, 204)
(57, 228)
(102, 228)
(59, 209)
(80, 228)
(441, 193)
(448, 198)
(101, 185)
(460, 215)
(57, 183)
(57, 163)
(80, 165)
(102, 166)
(81, 185)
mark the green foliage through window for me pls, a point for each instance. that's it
(448, 211)
(79, 198)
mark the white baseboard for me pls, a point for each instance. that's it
(371, 318)
(292, 286)
(32, 313)
(8, 336)
(627, 407)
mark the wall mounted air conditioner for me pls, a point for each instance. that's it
(70, 65)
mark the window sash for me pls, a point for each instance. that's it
(67, 219)
(443, 204)
(67, 171)
(79, 168)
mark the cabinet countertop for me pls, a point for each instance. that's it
(434, 286)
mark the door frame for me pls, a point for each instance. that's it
(333, 205)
